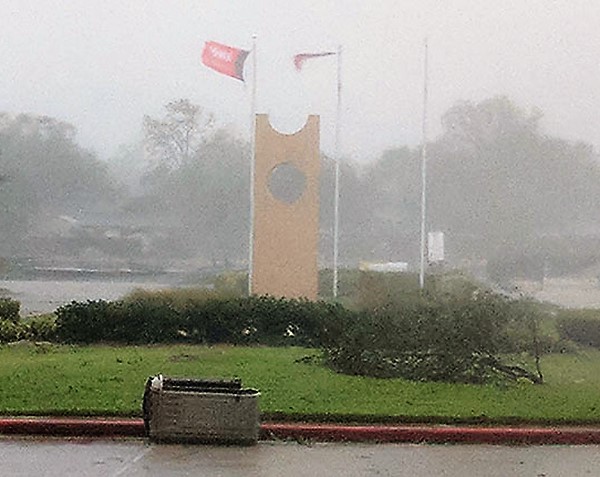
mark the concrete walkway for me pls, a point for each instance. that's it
(303, 432)
(60, 457)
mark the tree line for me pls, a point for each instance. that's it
(502, 190)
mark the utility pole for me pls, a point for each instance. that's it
(424, 173)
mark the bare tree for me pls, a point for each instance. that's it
(172, 140)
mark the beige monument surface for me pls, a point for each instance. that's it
(286, 211)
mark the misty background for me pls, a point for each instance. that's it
(119, 149)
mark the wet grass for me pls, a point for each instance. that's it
(66, 380)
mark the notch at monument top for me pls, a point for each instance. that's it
(298, 128)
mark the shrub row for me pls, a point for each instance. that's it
(455, 336)
(153, 318)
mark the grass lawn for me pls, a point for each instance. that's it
(67, 380)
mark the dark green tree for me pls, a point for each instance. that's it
(46, 173)
(497, 184)
(392, 189)
(198, 185)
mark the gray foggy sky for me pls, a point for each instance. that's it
(102, 65)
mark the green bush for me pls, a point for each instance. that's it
(422, 340)
(9, 309)
(531, 328)
(41, 328)
(11, 331)
(128, 322)
(141, 322)
(580, 326)
(88, 322)
(446, 333)
(214, 321)
(11, 328)
(168, 318)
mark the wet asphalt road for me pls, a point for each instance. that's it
(64, 458)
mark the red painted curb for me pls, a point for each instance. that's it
(432, 434)
(73, 427)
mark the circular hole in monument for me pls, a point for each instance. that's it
(287, 183)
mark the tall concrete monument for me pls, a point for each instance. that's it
(286, 210)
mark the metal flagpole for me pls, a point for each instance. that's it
(424, 171)
(252, 167)
(336, 211)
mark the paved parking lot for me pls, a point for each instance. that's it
(26, 457)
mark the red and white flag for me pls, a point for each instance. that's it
(225, 59)
(300, 58)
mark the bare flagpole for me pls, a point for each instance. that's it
(424, 171)
(252, 167)
(336, 211)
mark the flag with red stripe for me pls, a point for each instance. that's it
(225, 59)
(300, 58)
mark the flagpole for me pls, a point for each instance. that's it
(336, 209)
(252, 167)
(424, 170)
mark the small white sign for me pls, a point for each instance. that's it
(435, 247)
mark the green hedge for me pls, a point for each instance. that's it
(446, 337)
(154, 318)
